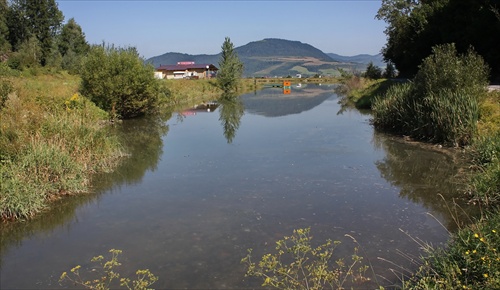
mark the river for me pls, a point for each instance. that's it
(203, 186)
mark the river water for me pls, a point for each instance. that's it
(203, 186)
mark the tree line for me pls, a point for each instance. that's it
(32, 34)
(414, 27)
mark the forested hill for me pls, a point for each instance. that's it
(271, 57)
(273, 47)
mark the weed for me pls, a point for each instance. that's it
(108, 276)
(308, 268)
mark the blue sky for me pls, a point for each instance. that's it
(199, 27)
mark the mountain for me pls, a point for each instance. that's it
(273, 57)
(377, 59)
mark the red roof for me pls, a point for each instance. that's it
(180, 67)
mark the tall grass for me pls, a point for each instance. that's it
(470, 261)
(51, 141)
(441, 104)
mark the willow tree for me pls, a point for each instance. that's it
(230, 67)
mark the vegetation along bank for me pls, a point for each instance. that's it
(447, 103)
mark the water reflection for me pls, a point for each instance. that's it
(143, 142)
(142, 139)
(425, 174)
(230, 111)
(273, 103)
(189, 216)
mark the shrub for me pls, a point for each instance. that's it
(118, 81)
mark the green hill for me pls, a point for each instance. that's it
(270, 57)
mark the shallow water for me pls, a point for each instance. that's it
(203, 187)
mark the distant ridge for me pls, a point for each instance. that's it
(278, 57)
(377, 59)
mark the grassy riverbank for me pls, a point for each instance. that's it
(51, 141)
(471, 259)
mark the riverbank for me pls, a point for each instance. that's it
(53, 140)
(471, 258)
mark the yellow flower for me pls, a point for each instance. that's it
(485, 275)
(493, 231)
(474, 251)
(476, 236)
(481, 239)
(467, 252)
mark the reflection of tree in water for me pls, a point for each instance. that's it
(231, 110)
(142, 140)
(430, 178)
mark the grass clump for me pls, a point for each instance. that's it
(51, 141)
(441, 104)
(471, 260)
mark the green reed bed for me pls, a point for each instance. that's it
(51, 141)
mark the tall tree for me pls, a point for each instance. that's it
(39, 18)
(415, 26)
(72, 38)
(230, 67)
(72, 45)
(4, 29)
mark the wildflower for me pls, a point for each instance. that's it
(476, 236)
(493, 231)
(485, 275)
(482, 239)
(467, 252)
(474, 251)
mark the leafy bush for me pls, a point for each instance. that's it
(441, 104)
(118, 81)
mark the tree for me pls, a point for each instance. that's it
(373, 72)
(118, 81)
(390, 71)
(39, 18)
(414, 27)
(4, 29)
(72, 45)
(230, 67)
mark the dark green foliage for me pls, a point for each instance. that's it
(72, 46)
(40, 19)
(118, 81)
(28, 55)
(373, 72)
(390, 71)
(441, 104)
(230, 67)
(414, 27)
(4, 29)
